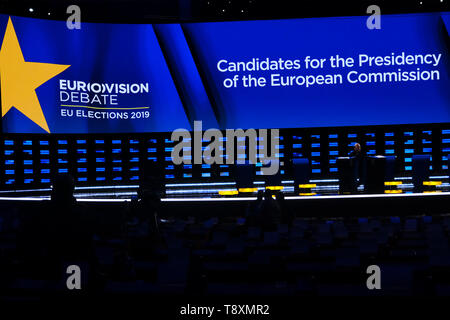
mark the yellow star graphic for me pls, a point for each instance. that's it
(19, 79)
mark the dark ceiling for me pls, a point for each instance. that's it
(136, 11)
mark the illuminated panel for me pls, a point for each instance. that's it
(99, 159)
(43, 166)
(33, 160)
(445, 148)
(408, 149)
(26, 167)
(8, 176)
(315, 154)
(370, 144)
(333, 152)
(116, 156)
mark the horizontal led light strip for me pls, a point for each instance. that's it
(245, 198)
(200, 184)
(107, 187)
(174, 185)
(76, 188)
(324, 180)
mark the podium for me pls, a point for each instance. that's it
(375, 174)
(347, 174)
(244, 176)
(420, 171)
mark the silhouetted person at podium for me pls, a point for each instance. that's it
(359, 157)
(287, 216)
(145, 210)
(63, 230)
(252, 210)
(356, 152)
(69, 228)
(269, 213)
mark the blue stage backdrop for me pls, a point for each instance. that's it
(318, 72)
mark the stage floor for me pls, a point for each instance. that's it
(203, 199)
(401, 205)
(182, 192)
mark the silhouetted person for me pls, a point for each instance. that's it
(67, 228)
(356, 151)
(287, 216)
(359, 159)
(269, 213)
(252, 210)
(144, 211)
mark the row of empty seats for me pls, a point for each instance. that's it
(225, 256)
